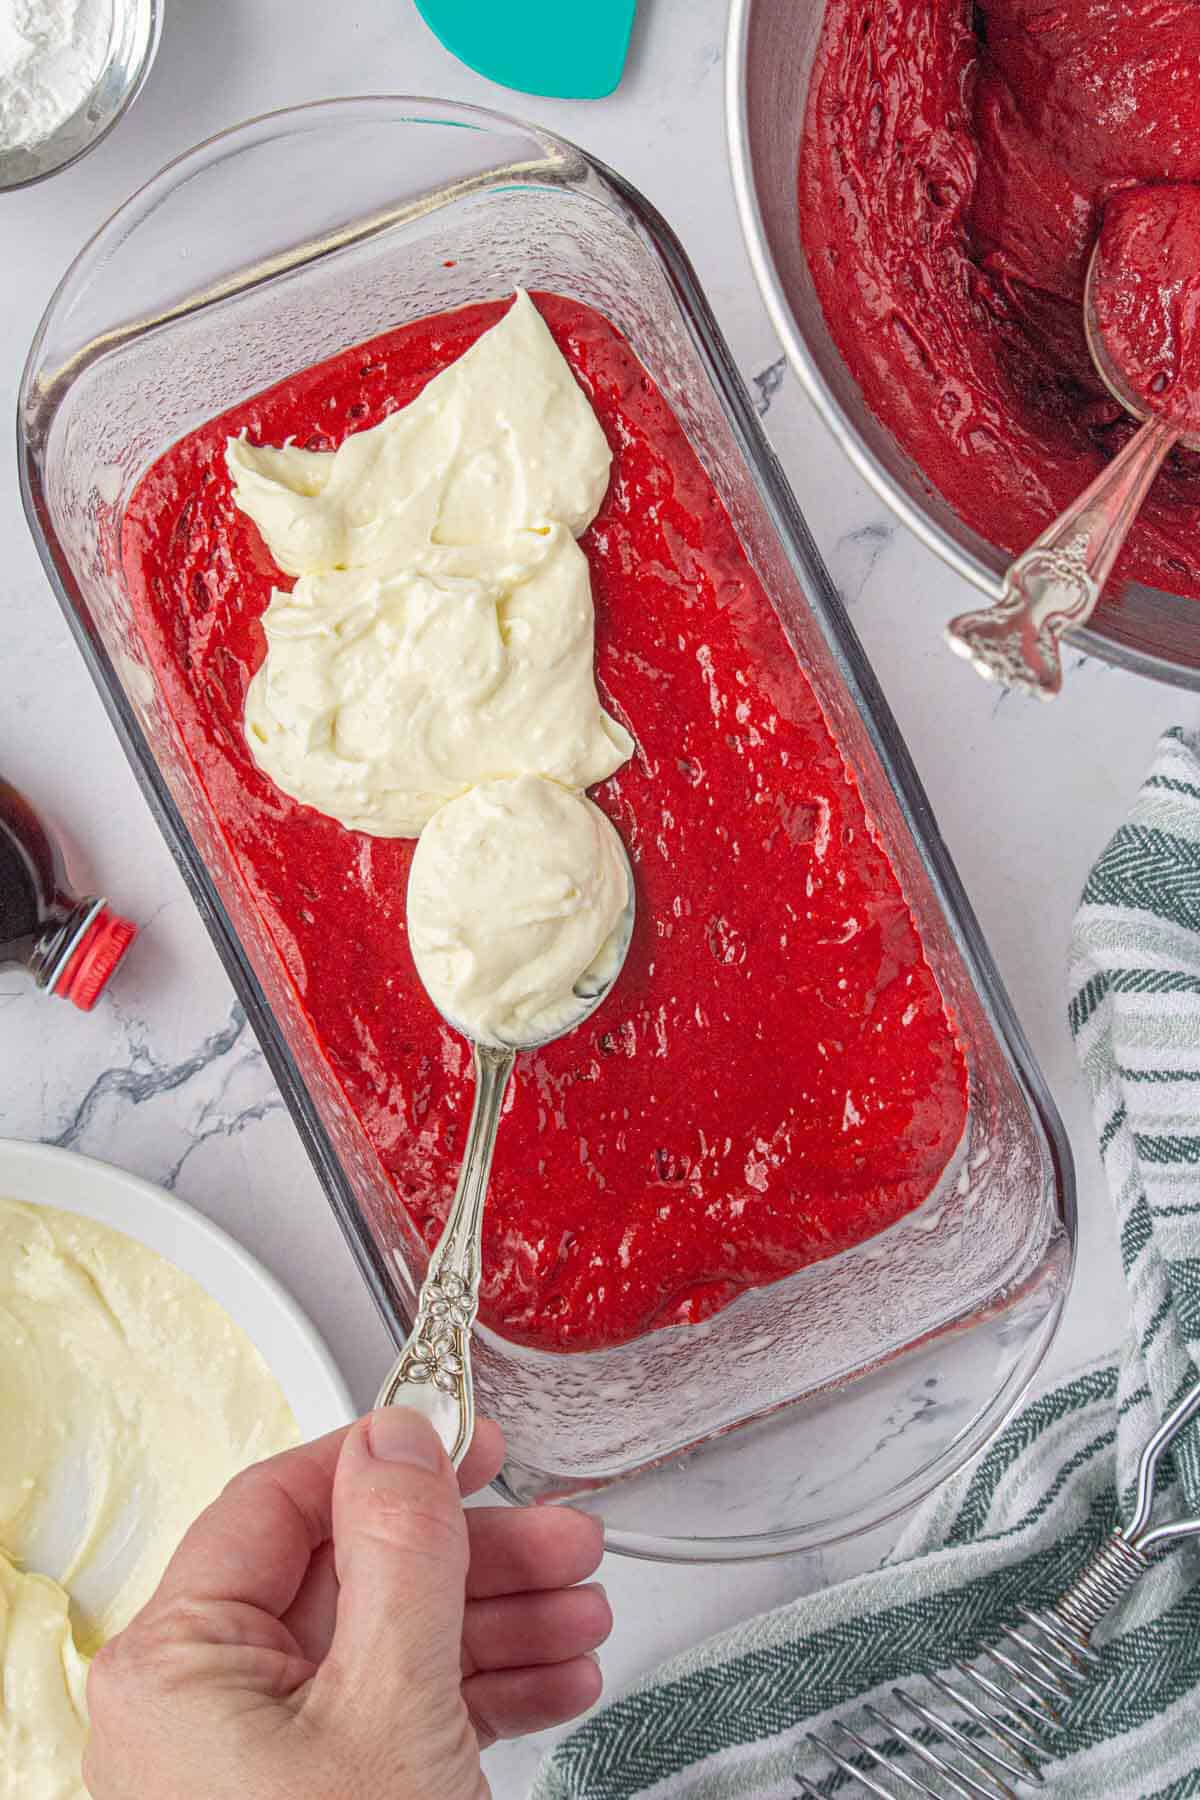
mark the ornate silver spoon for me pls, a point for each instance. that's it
(432, 1373)
(1053, 587)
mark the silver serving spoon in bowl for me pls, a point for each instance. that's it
(1053, 587)
(432, 1373)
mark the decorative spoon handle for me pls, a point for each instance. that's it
(432, 1373)
(1054, 586)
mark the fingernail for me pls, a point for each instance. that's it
(399, 1435)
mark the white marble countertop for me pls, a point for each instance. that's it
(165, 1078)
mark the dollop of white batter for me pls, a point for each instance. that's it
(441, 629)
(128, 1398)
(515, 893)
(383, 696)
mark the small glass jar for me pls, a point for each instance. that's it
(68, 945)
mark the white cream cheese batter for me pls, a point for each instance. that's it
(128, 1398)
(383, 696)
(43, 1680)
(515, 891)
(441, 630)
(502, 441)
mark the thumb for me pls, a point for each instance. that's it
(400, 1543)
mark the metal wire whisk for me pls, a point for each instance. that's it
(1008, 1708)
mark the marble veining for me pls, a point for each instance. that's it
(144, 1076)
(767, 383)
(862, 548)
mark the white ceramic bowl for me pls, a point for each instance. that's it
(42, 1175)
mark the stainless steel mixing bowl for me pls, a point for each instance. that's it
(771, 48)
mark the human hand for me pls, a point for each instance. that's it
(335, 1627)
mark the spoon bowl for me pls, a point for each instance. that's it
(1054, 586)
(590, 990)
(432, 1373)
(1108, 371)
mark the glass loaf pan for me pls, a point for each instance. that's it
(858, 1384)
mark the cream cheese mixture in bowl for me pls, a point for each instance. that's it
(134, 1342)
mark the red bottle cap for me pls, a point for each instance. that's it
(94, 958)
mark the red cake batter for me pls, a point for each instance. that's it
(774, 1076)
(1146, 295)
(955, 165)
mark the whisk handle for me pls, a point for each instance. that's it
(1175, 1422)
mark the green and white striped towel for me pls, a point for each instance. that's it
(727, 1721)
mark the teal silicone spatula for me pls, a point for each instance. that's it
(569, 51)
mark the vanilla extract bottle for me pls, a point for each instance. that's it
(68, 944)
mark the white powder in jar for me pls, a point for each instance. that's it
(51, 55)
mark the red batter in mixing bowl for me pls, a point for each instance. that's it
(955, 166)
(1147, 298)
